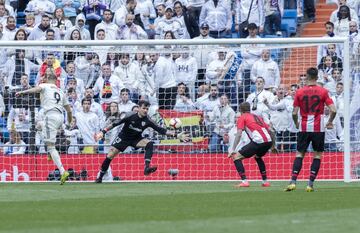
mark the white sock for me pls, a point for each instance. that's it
(56, 158)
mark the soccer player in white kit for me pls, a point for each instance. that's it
(53, 101)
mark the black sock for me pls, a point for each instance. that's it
(240, 168)
(315, 166)
(148, 153)
(296, 168)
(262, 168)
(104, 167)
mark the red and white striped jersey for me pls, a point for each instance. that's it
(311, 100)
(255, 127)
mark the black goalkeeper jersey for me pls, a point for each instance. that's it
(134, 126)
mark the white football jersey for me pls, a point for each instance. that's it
(52, 97)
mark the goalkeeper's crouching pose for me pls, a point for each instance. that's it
(131, 135)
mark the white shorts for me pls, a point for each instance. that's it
(53, 122)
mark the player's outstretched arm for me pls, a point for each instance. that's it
(29, 91)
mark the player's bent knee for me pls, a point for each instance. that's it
(50, 148)
(112, 152)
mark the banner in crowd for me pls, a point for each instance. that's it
(192, 123)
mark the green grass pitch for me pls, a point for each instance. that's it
(178, 208)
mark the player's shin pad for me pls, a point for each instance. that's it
(184, 136)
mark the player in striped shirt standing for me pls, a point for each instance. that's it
(262, 139)
(310, 100)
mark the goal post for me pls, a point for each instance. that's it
(199, 65)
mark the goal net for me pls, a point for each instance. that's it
(192, 85)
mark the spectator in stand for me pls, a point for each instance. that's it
(52, 63)
(341, 25)
(323, 49)
(194, 8)
(19, 66)
(280, 118)
(85, 65)
(202, 56)
(114, 5)
(125, 104)
(3, 15)
(71, 74)
(207, 106)
(131, 31)
(255, 14)
(183, 100)
(333, 136)
(9, 8)
(70, 8)
(93, 11)
(336, 61)
(112, 114)
(29, 23)
(215, 69)
(39, 8)
(74, 100)
(169, 23)
(268, 69)
(335, 14)
(189, 25)
(131, 76)
(113, 59)
(250, 54)
(70, 56)
(127, 8)
(39, 32)
(309, 10)
(165, 81)
(274, 11)
(16, 145)
(19, 119)
(302, 80)
(337, 75)
(10, 29)
(186, 71)
(325, 70)
(73, 134)
(95, 107)
(338, 99)
(147, 12)
(110, 28)
(257, 98)
(88, 126)
(79, 25)
(160, 10)
(354, 37)
(59, 21)
(108, 86)
(218, 15)
(203, 93)
(223, 117)
(103, 51)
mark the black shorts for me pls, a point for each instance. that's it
(121, 144)
(253, 148)
(317, 140)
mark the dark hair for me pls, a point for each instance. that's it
(329, 23)
(21, 30)
(340, 83)
(312, 73)
(107, 10)
(125, 90)
(135, 106)
(348, 12)
(336, 69)
(70, 90)
(171, 33)
(85, 99)
(108, 111)
(50, 30)
(143, 103)
(71, 35)
(294, 85)
(244, 107)
(45, 16)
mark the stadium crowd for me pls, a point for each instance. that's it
(103, 84)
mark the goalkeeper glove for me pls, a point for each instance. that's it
(183, 137)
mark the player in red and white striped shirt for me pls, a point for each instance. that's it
(261, 140)
(310, 101)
